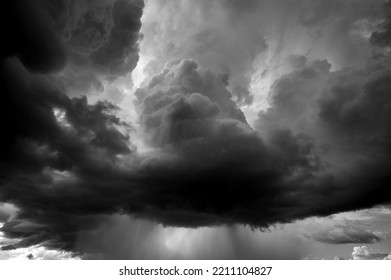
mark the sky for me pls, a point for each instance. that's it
(208, 129)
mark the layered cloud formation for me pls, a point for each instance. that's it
(322, 146)
(363, 253)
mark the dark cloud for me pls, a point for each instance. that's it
(30, 35)
(188, 114)
(322, 147)
(49, 139)
(89, 41)
(66, 160)
(208, 167)
(52, 141)
(120, 53)
(382, 37)
(101, 39)
(345, 113)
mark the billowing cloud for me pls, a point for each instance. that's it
(52, 141)
(187, 113)
(364, 253)
(49, 138)
(251, 40)
(70, 160)
(321, 147)
(346, 114)
(224, 36)
(101, 41)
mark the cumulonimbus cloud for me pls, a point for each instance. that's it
(321, 148)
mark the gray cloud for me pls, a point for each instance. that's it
(342, 234)
(382, 37)
(186, 111)
(345, 113)
(129, 238)
(223, 36)
(364, 253)
(7, 211)
(101, 38)
(76, 162)
(321, 148)
(251, 38)
(49, 138)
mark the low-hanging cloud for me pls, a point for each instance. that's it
(77, 163)
(322, 147)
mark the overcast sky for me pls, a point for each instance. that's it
(208, 129)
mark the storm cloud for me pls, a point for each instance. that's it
(321, 147)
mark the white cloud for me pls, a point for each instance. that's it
(364, 253)
(36, 252)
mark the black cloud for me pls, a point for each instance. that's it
(31, 36)
(322, 147)
(64, 166)
(49, 138)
